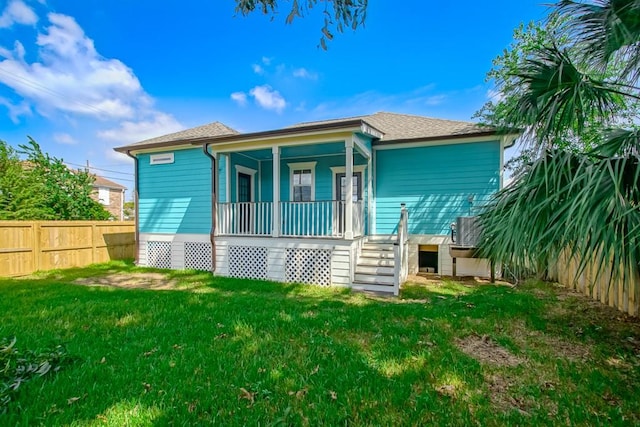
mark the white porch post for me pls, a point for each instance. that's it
(216, 193)
(275, 231)
(369, 196)
(348, 171)
(227, 180)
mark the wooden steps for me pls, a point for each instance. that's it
(375, 266)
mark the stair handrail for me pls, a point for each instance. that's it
(401, 251)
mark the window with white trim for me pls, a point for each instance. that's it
(302, 181)
(301, 185)
(103, 195)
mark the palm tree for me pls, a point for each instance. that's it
(585, 202)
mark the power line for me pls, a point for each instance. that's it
(37, 86)
(118, 178)
(100, 169)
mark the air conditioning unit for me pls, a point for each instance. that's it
(467, 231)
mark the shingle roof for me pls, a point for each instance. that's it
(395, 128)
(205, 131)
(399, 127)
(105, 183)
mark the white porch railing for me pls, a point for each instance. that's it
(358, 218)
(401, 251)
(297, 219)
(245, 218)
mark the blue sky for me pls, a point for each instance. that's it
(82, 77)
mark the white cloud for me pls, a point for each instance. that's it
(64, 138)
(17, 12)
(111, 155)
(266, 60)
(16, 110)
(72, 76)
(268, 98)
(239, 97)
(134, 131)
(303, 73)
(257, 69)
(435, 99)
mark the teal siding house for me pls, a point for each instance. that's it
(359, 202)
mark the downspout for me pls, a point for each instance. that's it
(135, 203)
(214, 205)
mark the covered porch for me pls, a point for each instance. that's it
(318, 188)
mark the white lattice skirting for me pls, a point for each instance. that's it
(312, 266)
(248, 262)
(158, 254)
(197, 256)
(282, 260)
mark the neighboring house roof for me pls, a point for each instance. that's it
(390, 127)
(100, 182)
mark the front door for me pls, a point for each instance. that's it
(341, 194)
(244, 197)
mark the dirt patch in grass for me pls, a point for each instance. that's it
(437, 280)
(485, 350)
(502, 398)
(155, 281)
(547, 344)
(567, 350)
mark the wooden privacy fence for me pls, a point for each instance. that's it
(618, 293)
(28, 246)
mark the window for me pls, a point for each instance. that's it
(302, 181)
(103, 195)
(302, 185)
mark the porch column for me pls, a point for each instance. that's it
(275, 230)
(215, 190)
(369, 196)
(227, 171)
(348, 171)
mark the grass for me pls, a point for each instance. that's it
(241, 352)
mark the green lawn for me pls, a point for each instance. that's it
(239, 352)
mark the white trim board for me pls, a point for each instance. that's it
(252, 173)
(342, 169)
(301, 166)
(418, 143)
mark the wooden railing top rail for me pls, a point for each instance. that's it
(52, 223)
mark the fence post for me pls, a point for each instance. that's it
(93, 243)
(37, 255)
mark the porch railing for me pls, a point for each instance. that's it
(297, 219)
(245, 218)
(401, 251)
(358, 218)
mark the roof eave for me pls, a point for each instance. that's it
(356, 125)
(435, 138)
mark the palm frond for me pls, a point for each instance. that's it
(584, 204)
(619, 142)
(607, 30)
(556, 97)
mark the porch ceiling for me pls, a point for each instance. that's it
(290, 152)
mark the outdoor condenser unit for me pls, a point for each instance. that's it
(467, 231)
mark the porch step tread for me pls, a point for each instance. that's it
(359, 286)
(377, 247)
(376, 262)
(375, 269)
(367, 253)
(376, 279)
(381, 237)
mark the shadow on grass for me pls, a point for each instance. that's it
(249, 352)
